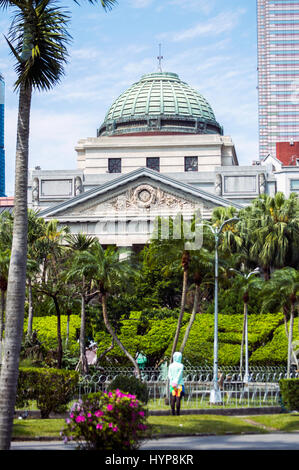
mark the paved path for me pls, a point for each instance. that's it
(272, 441)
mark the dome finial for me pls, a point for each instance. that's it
(160, 57)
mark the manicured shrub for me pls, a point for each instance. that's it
(106, 421)
(289, 389)
(51, 388)
(153, 335)
(132, 385)
(46, 328)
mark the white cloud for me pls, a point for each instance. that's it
(225, 21)
(140, 3)
(194, 5)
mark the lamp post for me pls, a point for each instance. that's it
(246, 276)
(215, 396)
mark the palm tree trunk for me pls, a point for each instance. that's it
(59, 339)
(2, 322)
(83, 365)
(285, 319)
(30, 309)
(243, 339)
(192, 318)
(181, 314)
(114, 336)
(15, 297)
(290, 341)
(68, 319)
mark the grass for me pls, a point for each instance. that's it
(175, 425)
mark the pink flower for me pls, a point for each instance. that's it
(141, 413)
(80, 419)
(142, 426)
(99, 426)
(109, 407)
(115, 429)
(99, 413)
(110, 425)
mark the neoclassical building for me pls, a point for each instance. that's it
(159, 151)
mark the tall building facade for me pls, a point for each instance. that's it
(2, 152)
(278, 73)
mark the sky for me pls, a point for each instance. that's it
(210, 44)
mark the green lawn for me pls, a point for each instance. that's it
(176, 425)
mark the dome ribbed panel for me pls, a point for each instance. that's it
(154, 95)
(160, 94)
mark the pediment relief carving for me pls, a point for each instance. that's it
(142, 198)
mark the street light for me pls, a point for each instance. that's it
(215, 396)
(246, 276)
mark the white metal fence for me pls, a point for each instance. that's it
(261, 390)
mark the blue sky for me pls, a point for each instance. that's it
(211, 45)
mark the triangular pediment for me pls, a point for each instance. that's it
(138, 193)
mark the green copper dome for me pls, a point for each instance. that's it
(160, 103)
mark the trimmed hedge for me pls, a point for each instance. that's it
(132, 385)
(52, 389)
(289, 389)
(153, 336)
(47, 331)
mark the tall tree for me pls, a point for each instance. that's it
(245, 283)
(201, 268)
(282, 292)
(80, 269)
(270, 228)
(52, 279)
(109, 275)
(37, 38)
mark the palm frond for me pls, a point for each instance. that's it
(38, 38)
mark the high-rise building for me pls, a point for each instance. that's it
(2, 152)
(278, 73)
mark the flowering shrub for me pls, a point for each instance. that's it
(106, 421)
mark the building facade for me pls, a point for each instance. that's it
(159, 152)
(278, 73)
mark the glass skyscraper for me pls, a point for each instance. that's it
(278, 73)
(2, 153)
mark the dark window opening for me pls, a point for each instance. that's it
(114, 165)
(153, 163)
(191, 164)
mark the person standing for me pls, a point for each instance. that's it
(176, 383)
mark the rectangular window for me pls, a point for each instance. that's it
(153, 163)
(294, 185)
(191, 163)
(114, 165)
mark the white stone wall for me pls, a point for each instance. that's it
(211, 150)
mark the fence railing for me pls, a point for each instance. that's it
(262, 388)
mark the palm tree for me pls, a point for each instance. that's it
(202, 267)
(109, 275)
(175, 254)
(38, 39)
(271, 227)
(245, 283)
(36, 231)
(4, 263)
(282, 292)
(80, 244)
